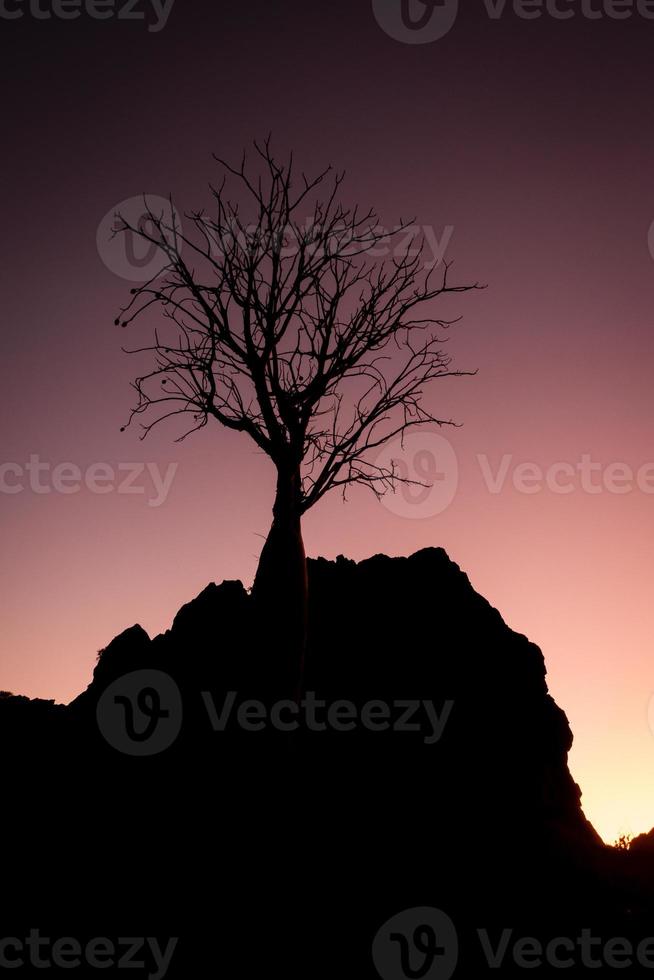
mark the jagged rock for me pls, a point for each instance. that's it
(484, 820)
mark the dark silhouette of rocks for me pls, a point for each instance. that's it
(268, 850)
(643, 845)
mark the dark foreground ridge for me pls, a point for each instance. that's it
(425, 766)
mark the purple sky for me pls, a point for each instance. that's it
(529, 145)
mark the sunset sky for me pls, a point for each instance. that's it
(529, 145)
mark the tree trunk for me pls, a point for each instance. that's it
(281, 586)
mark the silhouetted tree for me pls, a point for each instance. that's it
(281, 321)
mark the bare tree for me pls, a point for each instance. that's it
(281, 321)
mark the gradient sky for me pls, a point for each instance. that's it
(533, 140)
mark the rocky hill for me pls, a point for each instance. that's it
(425, 765)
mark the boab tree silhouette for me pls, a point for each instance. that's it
(302, 323)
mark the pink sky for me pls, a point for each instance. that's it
(515, 134)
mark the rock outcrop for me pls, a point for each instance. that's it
(426, 765)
